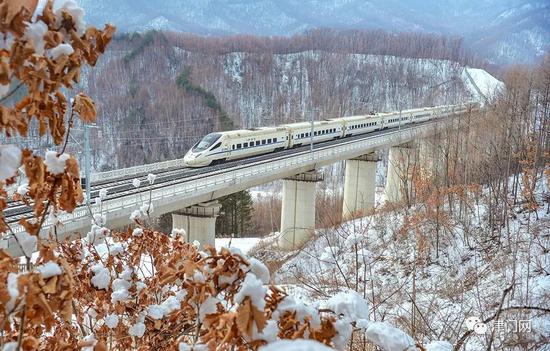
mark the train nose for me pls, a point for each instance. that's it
(191, 158)
(188, 159)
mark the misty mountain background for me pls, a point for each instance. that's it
(502, 31)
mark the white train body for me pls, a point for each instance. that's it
(236, 144)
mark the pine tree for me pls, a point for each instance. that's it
(236, 214)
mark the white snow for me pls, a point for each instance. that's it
(49, 270)
(136, 215)
(60, 50)
(295, 345)
(253, 288)
(439, 346)
(259, 269)
(27, 242)
(155, 311)
(74, 10)
(136, 183)
(269, 333)
(197, 347)
(111, 320)
(101, 278)
(487, 84)
(389, 337)
(137, 232)
(151, 178)
(10, 159)
(350, 305)
(13, 291)
(35, 34)
(54, 163)
(171, 304)
(120, 290)
(137, 329)
(178, 231)
(243, 244)
(208, 307)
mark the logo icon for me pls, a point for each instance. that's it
(474, 324)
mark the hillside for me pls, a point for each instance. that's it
(430, 290)
(158, 94)
(502, 31)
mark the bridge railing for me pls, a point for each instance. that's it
(135, 170)
(202, 184)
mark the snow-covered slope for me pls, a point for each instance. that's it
(397, 274)
(480, 83)
(504, 31)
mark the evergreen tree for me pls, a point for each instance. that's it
(236, 217)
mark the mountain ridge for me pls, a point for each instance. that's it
(511, 31)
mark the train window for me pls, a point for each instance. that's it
(257, 142)
(216, 146)
(233, 147)
(245, 145)
(269, 141)
(206, 142)
(302, 135)
(238, 146)
(263, 142)
(274, 140)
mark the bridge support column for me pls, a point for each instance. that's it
(359, 185)
(428, 157)
(401, 168)
(298, 212)
(199, 222)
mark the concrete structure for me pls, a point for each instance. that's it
(359, 185)
(298, 212)
(199, 222)
(401, 168)
(178, 187)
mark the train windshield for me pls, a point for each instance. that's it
(206, 142)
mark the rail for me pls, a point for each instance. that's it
(211, 182)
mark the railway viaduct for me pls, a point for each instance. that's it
(190, 194)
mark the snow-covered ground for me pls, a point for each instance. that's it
(469, 277)
(243, 244)
(487, 84)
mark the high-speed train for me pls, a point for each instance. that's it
(219, 147)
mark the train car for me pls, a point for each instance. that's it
(393, 120)
(354, 125)
(300, 133)
(231, 145)
(422, 114)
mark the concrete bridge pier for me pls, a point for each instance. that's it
(359, 185)
(199, 222)
(429, 157)
(298, 212)
(401, 168)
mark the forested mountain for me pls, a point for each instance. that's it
(504, 31)
(158, 93)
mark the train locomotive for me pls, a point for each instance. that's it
(219, 147)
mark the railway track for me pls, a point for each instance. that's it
(123, 186)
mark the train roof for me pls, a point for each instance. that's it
(252, 131)
(353, 118)
(308, 124)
